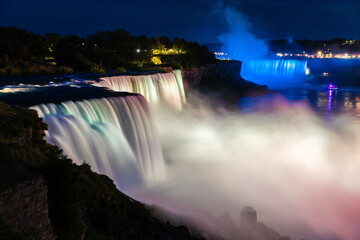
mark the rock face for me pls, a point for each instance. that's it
(230, 68)
(221, 81)
(212, 75)
(196, 77)
(248, 216)
(253, 230)
(25, 207)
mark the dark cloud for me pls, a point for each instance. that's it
(192, 19)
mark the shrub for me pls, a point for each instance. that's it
(97, 68)
(121, 70)
(66, 70)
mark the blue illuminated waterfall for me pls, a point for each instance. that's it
(166, 88)
(274, 73)
(115, 135)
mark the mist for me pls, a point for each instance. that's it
(239, 43)
(298, 172)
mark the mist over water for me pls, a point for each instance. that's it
(239, 42)
(298, 172)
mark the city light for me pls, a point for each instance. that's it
(325, 74)
(165, 51)
(321, 54)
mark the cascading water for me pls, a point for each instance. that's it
(274, 73)
(163, 87)
(298, 172)
(115, 135)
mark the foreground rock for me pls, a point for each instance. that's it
(25, 207)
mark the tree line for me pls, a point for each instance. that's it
(23, 52)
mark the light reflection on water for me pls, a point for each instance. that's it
(324, 102)
(328, 103)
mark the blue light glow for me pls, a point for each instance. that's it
(275, 73)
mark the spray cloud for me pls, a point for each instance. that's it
(298, 173)
(239, 42)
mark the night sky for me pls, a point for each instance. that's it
(200, 20)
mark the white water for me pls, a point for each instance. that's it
(159, 88)
(115, 135)
(275, 73)
(32, 87)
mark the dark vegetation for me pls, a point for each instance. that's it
(24, 52)
(7, 232)
(81, 202)
(27, 53)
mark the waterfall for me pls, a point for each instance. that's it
(158, 88)
(274, 73)
(115, 135)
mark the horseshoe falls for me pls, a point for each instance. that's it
(275, 73)
(165, 88)
(115, 135)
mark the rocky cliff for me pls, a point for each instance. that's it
(25, 207)
(196, 77)
(221, 82)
